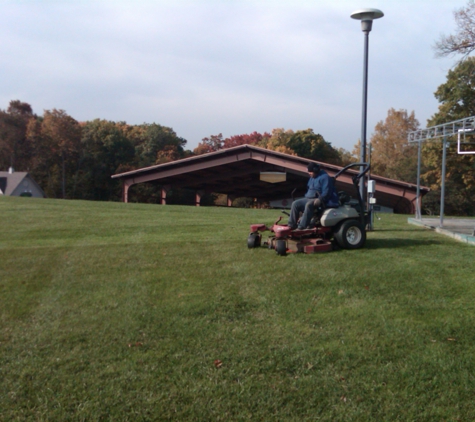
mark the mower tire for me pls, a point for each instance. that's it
(351, 234)
(253, 241)
(281, 247)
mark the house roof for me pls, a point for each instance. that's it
(236, 172)
(10, 181)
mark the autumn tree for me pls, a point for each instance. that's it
(346, 157)
(254, 138)
(463, 41)
(217, 142)
(210, 144)
(278, 141)
(304, 143)
(64, 135)
(169, 153)
(391, 154)
(356, 151)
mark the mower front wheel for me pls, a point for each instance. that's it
(281, 247)
(351, 234)
(254, 240)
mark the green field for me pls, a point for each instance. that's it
(134, 312)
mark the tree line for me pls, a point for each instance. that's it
(75, 160)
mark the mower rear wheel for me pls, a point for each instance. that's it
(351, 234)
(281, 247)
(253, 241)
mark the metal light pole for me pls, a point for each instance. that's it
(366, 16)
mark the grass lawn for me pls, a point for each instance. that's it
(133, 312)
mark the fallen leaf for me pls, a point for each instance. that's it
(343, 398)
(340, 292)
(366, 287)
(451, 339)
(218, 363)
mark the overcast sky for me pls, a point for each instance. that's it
(205, 67)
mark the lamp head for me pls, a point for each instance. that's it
(366, 16)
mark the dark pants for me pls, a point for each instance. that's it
(307, 207)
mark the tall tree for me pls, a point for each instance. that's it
(312, 145)
(457, 95)
(64, 134)
(391, 154)
(463, 41)
(457, 100)
(107, 150)
(15, 150)
(151, 140)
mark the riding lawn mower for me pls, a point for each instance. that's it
(339, 227)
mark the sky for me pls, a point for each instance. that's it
(204, 67)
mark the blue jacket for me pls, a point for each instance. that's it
(323, 184)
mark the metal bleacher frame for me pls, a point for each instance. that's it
(433, 133)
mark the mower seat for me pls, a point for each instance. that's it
(343, 197)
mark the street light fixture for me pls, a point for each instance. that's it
(366, 16)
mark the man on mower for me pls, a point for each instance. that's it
(320, 193)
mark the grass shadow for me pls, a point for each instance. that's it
(412, 229)
(398, 243)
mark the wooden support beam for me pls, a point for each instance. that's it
(199, 195)
(127, 183)
(165, 190)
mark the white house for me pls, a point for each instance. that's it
(19, 183)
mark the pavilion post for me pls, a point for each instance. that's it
(165, 190)
(199, 194)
